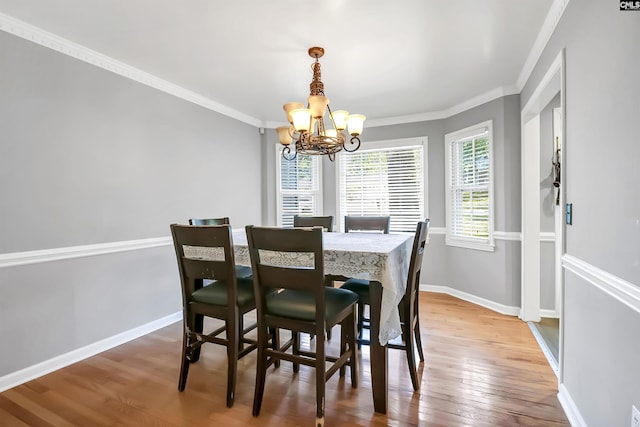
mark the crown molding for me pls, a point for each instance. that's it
(44, 38)
(548, 27)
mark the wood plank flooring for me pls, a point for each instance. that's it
(481, 369)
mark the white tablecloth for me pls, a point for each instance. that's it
(380, 257)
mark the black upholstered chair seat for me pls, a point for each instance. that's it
(216, 293)
(360, 287)
(302, 305)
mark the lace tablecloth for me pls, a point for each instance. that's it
(380, 257)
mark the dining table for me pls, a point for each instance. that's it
(383, 259)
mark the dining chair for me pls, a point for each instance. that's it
(293, 297)
(326, 222)
(408, 306)
(205, 253)
(378, 224)
(375, 224)
(243, 271)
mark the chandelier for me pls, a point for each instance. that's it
(309, 132)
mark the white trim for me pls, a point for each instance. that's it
(27, 374)
(548, 27)
(507, 235)
(614, 286)
(570, 408)
(44, 38)
(544, 347)
(489, 96)
(514, 236)
(549, 314)
(450, 139)
(547, 236)
(437, 230)
(45, 255)
(499, 308)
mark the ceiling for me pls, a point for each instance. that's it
(394, 62)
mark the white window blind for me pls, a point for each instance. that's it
(386, 181)
(469, 198)
(298, 187)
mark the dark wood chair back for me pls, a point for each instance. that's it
(205, 255)
(242, 271)
(367, 223)
(209, 221)
(408, 307)
(326, 222)
(294, 297)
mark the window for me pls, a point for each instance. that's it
(385, 179)
(469, 198)
(298, 187)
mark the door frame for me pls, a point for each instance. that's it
(552, 82)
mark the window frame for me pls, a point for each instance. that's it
(317, 192)
(382, 145)
(469, 242)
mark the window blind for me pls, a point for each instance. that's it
(385, 181)
(299, 187)
(469, 176)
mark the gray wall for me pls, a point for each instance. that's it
(494, 276)
(89, 157)
(601, 333)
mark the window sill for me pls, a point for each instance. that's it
(466, 244)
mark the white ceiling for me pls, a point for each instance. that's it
(392, 61)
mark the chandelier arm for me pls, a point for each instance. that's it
(353, 141)
(286, 153)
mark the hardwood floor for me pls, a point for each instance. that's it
(480, 369)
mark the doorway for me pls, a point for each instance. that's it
(542, 121)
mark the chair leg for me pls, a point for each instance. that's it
(198, 326)
(411, 358)
(275, 343)
(261, 372)
(233, 336)
(353, 361)
(295, 336)
(416, 332)
(320, 380)
(360, 323)
(241, 330)
(184, 366)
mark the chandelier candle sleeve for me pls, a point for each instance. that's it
(309, 132)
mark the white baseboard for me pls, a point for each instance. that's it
(549, 314)
(570, 408)
(545, 349)
(27, 374)
(491, 305)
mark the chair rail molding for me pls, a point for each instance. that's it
(57, 254)
(618, 288)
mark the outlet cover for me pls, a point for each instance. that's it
(635, 416)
